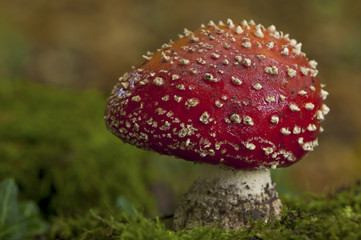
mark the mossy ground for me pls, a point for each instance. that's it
(310, 217)
(76, 181)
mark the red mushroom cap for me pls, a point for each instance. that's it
(238, 95)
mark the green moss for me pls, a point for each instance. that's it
(306, 218)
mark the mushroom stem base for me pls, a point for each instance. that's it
(229, 199)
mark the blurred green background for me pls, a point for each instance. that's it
(59, 60)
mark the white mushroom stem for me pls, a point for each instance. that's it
(229, 198)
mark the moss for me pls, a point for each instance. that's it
(299, 221)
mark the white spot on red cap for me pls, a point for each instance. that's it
(268, 151)
(193, 70)
(271, 70)
(225, 62)
(143, 136)
(215, 55)
(309, 106)
(136, 98)
(230, 23)
(291, 72)
(257, 86)
(304, 70)
(238, 30)
(193, 38)
(184, 61)
(270, 45)
(236, 80)
(313, 64)
(250, 146)
(175, 77)
(191, 102)
(210, 77)
(276, 35)
(244, 23)
(246, 44)
(226, 45)
(238, 58)
(235, 118)
(296, 130)
(211, 24)
(285, 131)
(272, 28)
(221, 23)
(302, 92)
(160, 111)
(325, 109)
(285, 51)
(324, 94)
(311, 127)
(247, 62)
(158, 81)
(125, 85)
(258, 32)
(201, 61)
(319, 115)
(293, 42)
(218, 103)
(181, 87)
(308, 146)
(294, 107)
(177, 98)
(297, 48)
(313, 72)
(275, 119)
(247, 120)
(147, 57)
(270, 99)
(165, 58)
(205, 118)
(165, 98)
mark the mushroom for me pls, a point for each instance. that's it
(241, 98)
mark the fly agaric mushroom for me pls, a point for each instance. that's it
(242, 98)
